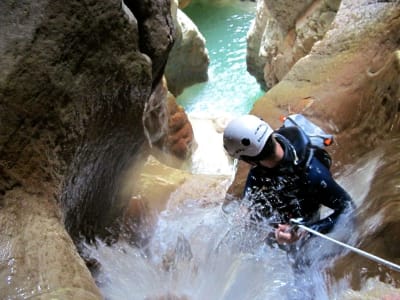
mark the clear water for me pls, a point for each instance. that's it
(230, 88)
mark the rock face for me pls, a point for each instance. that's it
(283, 32)
(349, 85)
(168, 128)
(188, 61)
(351, 74)
(180, 140)
(76, 77)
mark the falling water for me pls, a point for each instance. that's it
(197, 251)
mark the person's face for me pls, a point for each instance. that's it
(271, 161)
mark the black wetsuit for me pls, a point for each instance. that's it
(298, 186)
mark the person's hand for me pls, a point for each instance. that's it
(285, 234)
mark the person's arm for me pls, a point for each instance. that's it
(331, 194)
(256, 195)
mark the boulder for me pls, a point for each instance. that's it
(188, 61)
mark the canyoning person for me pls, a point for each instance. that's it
(289, 178)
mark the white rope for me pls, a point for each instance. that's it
(359, 251)
(298, 223)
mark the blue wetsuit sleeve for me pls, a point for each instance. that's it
(253, 182)
(330, 194)
(256, 183)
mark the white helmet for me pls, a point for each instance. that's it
(246, 135)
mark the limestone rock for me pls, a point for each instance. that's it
(75, 79)
(153, 183)
(188, 61)
(256, 60)
(349, 76)
(283, 32)
(180, 138)
(38, 256)
(168, 127)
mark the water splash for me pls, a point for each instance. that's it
(198, 252)
(210, 157)
(195, 253)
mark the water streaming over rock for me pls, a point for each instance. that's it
(199, 252)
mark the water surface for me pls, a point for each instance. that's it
(230, 88)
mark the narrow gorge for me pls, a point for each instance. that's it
(98, 193)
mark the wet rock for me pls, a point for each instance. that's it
(153, 174)
(76, 78)
(153, 183)
(168, 128)
(180, 139)
(188, 61)
(38, 256)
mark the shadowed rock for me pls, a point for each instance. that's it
(76, 77)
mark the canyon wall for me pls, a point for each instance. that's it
(76, 82)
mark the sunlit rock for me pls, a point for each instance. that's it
(350, 80)
(374, 289)
(180, 139)
(167, 127)
(188, 61)
(184, 3)
(282, 33)
(156, 181)
(349, 85)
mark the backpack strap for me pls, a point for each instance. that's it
(322, 155)
(298, 140)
